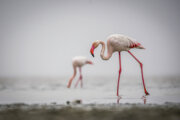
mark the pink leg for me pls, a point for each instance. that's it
(80, 78)
(119, 74)
(77, 83)
(141, 65)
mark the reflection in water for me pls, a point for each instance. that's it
(143, 98)
(118, 99)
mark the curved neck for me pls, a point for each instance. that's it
(109, 52)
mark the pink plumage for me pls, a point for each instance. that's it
(118, 42)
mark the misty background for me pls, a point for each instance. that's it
(40, 37)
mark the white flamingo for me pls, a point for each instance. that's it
(118, 42)
(78, 61)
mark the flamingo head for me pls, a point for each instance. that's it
(89, 62)
(94, 46)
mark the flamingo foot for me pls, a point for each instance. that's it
(147, 93)
(119, 97)
(69, 85)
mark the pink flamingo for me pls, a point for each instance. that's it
(118, 42)
(78, 61)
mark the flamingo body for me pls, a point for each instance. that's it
(79, 61)
(118, 43)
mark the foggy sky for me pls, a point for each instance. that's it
(40, 37)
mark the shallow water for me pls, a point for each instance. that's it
(98, 90)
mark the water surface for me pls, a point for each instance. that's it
(98, 90)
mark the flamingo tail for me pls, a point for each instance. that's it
(136, 45)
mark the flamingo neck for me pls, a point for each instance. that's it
(109, 54)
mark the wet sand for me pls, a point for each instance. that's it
(168, 111)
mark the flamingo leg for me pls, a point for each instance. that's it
(119, 74)
(77, 83)
(71, 79)
(141, 65)
(80, 79)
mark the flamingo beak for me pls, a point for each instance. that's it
(92, 51)
(92, 54)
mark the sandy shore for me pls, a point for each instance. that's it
(54, 111)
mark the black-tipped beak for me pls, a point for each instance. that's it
(92, 54)
(92, 50)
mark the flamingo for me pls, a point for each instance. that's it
(118, 43)
(78, 61)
